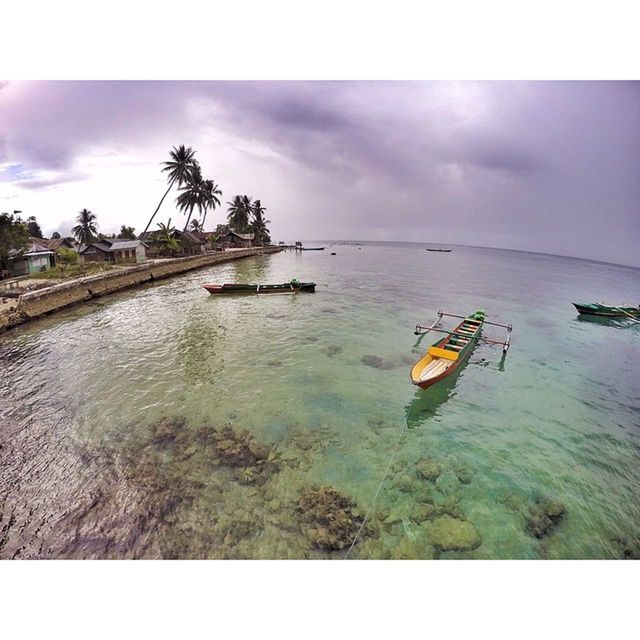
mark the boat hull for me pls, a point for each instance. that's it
(235, 289)
(596, 309)
(441, 360)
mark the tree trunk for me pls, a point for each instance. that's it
(157, 208)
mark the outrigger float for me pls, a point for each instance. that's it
(448, 354)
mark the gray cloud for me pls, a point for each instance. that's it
(403, 160)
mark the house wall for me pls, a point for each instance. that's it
(94, 255)
(141, 254)
(39, 263)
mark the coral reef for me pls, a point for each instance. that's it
(450, 534)
(333, 350)
(377, 362)
(250, 461)
(428, 468)
(543, 516)
(330, 519)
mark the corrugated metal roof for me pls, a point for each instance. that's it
(117, 244)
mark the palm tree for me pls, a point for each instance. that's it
(87, 228)
(192, 194)
(195, 226)
(238, 216)
(211, 191)
(166, 232)
(180, 166)
(259, 224)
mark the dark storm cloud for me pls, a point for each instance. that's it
(500, 162)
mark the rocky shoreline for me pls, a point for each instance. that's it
(34, 304)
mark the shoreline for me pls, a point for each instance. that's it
(35, 304)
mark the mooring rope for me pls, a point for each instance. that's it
(384, 477)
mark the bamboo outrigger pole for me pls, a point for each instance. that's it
(421, 330)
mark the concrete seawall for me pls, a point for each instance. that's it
(38, 303)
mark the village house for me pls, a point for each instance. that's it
(35, 258)
(233, 240)
(190, 243)
(117, 250)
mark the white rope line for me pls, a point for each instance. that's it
(375, 497)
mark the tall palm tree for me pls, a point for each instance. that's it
(211, 191)
(238, 216)
(192, 194)
(180, 166)
(87, 228)
(259, 224)
(195, 226)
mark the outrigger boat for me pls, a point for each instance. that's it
(448, 354)
(294, 286)
(598, 309)
(313, 248)
(441, 250)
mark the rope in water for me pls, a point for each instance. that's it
(384, 477)
(628, 314)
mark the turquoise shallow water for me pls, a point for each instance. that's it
(88, 473)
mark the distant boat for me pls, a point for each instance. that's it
(287, 287)
(313, 248)
(449, 353)
(597, 309)
(441, 250)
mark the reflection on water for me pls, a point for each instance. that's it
(165, 422)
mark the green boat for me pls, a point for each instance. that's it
(597, 309)
(294, 286)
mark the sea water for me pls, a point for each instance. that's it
(317, 386)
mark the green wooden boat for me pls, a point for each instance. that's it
(597, 309)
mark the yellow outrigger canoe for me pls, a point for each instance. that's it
(447, 354)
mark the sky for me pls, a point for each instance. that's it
(544, 166)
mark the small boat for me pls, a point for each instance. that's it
(441, 250)
(313, 248)
(598, 309)
(448, 354)
(287, 287)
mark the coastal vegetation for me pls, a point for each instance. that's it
(247, 216)
(87, 228)
(14, 237)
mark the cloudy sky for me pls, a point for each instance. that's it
(542, 166)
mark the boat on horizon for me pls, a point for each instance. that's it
(441, 250)
(286, 287)
(611, 311)
(312, 248)
(449, 354)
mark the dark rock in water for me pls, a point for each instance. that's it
(450, 534)
(447, 483)
(428, 468)
(408, 359)
(463, 472)
(311, 339)
(274, 363)
(543, 516)
(377, 362)
(512, 501)
(250, 461)
(328, 310)
(166, 431)
(449, 505)
(333, 350)
(330, 520)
